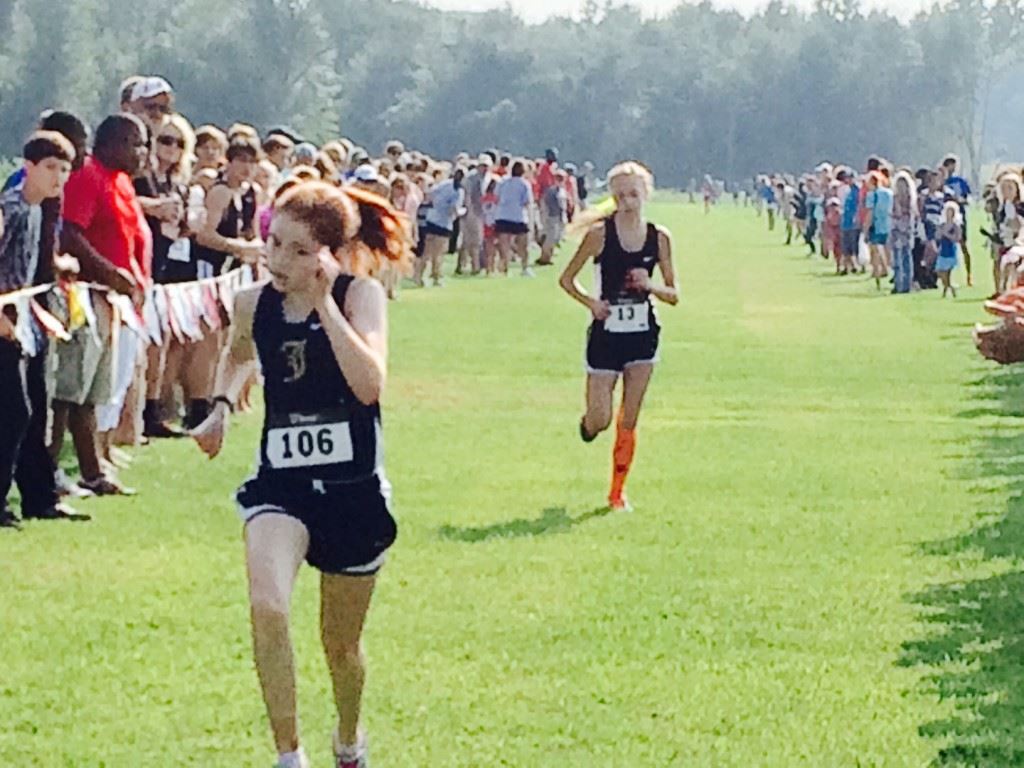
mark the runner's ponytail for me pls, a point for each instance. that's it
(382, 230)
(351, 216)
(606, 208)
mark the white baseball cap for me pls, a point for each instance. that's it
(366, 173)
(149, 87)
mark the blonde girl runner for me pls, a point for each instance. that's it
(318, 331)
(623, 337)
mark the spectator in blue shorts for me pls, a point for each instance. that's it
(849, 234)
(877, 223)
(446, 205)
(959, 191)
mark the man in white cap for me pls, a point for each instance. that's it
(152, 100)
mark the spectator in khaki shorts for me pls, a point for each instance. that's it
(554, 206)
(473, 222)
(103, 229)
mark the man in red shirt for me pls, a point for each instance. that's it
(105, 230)
(546, 171)
(542, 180)
(502, 169)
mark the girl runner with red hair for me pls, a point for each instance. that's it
(318, 331)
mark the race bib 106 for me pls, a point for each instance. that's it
(629, 318)
(309, 446)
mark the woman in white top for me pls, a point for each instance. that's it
(512, 220)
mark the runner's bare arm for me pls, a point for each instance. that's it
(238, 360)
(359, 337)
(592, 245)
(668, 292)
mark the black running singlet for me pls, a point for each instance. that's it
(632, 311)
(236, 221)
(314, 427)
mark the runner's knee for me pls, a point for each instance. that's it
(268, 603)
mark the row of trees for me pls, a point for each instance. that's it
(699, 90)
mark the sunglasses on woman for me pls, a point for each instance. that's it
(171, 141)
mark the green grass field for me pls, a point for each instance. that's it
(822, 568)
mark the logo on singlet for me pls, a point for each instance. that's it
(295, 356)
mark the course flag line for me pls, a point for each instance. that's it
(184, 311)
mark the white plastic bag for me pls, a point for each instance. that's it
(863, 252)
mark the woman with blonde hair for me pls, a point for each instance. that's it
(173, 261)
(1009, 218)
(318, 331)
(623, 335)
(175, 145)
(904, 230)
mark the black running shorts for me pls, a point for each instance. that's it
(350, 524)
(614, 352)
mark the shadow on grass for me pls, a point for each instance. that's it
(974, 648)
(551, 520)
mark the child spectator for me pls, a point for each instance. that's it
(950, 234)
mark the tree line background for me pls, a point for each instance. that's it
(696, 91)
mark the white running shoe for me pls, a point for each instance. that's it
(349, 757)
(296, 759)
(528, 272)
